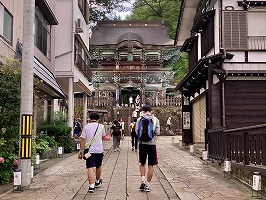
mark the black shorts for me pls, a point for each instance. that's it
(150, 151)
(95, 160)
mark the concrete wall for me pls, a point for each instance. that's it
(16, 9)
(64, 38)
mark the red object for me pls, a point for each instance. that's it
(15, 162)
(107, 137)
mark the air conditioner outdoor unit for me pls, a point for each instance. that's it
(79, 26)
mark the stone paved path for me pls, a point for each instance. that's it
(193, 180)
(178, 176)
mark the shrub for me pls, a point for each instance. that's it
(51, 141)
(67, 143)
(61, 133)
(10, 76)
(59, 118)
(42, 146)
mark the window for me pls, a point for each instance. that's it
(84, 8)
(6, 24)
(235, 30)
(42, 35)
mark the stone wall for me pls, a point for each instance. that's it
(162, 113)
(245, 173)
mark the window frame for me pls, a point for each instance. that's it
(42, 32)
(3, 11)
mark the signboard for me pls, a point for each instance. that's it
(186, 120)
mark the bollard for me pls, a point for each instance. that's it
(191, 149)
(32, 172)
(37, 161)
(256, 185)
(227, 167)
(78, 146)
(204, 155)
(180, 144)
(17, 180)
(60, 152)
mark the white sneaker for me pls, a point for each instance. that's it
(115, 150)
(147, 188)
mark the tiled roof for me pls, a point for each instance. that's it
(145, 32)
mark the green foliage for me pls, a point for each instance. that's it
(7, 168)
(67, 143)
(10, 76)
(59, 117)
(165, 10)
(180, 67)
(55, 130)
(42, 146)
(61, 134)
(51, 141)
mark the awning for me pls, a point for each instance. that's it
(48, 80)
(84, 87)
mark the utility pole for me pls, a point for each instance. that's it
(26, 103)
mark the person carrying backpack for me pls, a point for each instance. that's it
(117, 135)
(134, 136)
(147, 127)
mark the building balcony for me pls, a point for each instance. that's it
(83, 67)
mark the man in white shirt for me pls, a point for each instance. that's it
(91, 143)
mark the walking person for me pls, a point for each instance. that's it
(91, 149)
(147, 127)
(77, 129)
(168, 123)
(117, 135)
(134, 137)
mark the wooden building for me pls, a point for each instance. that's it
(129, 58)
(223, 95)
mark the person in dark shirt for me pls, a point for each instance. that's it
(117, 135)
(134, 137)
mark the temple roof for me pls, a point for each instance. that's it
(146, 32)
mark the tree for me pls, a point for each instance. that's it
(180, 67)
(106, 9)
(167, 11)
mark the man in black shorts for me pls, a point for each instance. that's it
(91, 143)
(147, 127)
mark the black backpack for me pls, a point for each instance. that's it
(116, 130)
(145, 129)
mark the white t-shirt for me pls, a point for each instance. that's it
(88, 133)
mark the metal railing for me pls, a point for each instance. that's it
(256, 42)
(245, 145)
(83, 67)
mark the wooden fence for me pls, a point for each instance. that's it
(165, 101)
(244, 145)
(110, 102)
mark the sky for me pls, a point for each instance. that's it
(124, 14)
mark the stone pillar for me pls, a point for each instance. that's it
(85, 108)
(70, 102)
